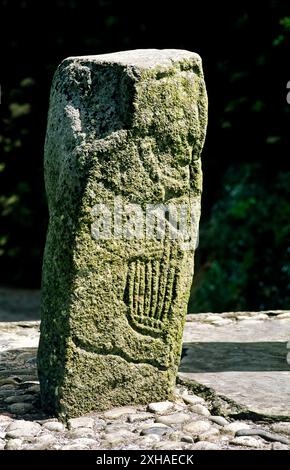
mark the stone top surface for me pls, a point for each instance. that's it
(142, 58)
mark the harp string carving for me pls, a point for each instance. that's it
(150, 290)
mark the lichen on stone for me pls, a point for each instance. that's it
(128, 125)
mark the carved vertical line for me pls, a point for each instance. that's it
(163, 279)
(148, 288)
(141, 289)
(136, 288)
(155, 286)
(130, 286)
(171, 281)
(169, 293)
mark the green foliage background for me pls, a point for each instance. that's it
(243, 258)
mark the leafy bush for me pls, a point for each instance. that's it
(244, 253)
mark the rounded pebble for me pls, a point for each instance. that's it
(20, 408)
(212, 435)
(82, 422)
(200, 409)
(80, 432)
(73, 447)
(54, 426)
(19, 399)
(83, 441)
(134, 418)
(279, 446)
(21, 429)
(185, 424)
(175, 418)
(160, 407)
(116, 413)
(160, 431)
(186, 438)
(219, 420)
(205, 445)
(14, 444)
(42, 442)
(283, 428)
(197, 427)
(119, 437)
(192, 399)
(232, 428)
(168, 446)
(247, 441)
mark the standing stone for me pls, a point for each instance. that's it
(124, 137)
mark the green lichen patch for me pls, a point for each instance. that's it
(129, 125)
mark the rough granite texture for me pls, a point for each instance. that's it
(129, 124)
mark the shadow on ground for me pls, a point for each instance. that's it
(227, 356)
(19, 304)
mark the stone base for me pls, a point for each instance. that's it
(189, 422)
(236, 359)
(96, 382)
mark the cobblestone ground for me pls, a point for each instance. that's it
(186, 423)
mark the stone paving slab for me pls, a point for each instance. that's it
(242, 356)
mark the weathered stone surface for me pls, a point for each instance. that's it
(84, 442)
(220, 420)
(234, 427)
(112, 427)
(283, 428)
(19, 399)
(200, 409)
(197, 427)
(160, 407)
(192, 399)
(116, 413)
(45, 440)
(83, 422)
(212, 435)
(20, 408)
(76, 446)
(123, 127)
(118, 437)
(168, 446)
(268, 436)
(56, 427)
(279, 446)
(22, 429)
(155, 429)
(133, 418)
(174, 418)
(81, 432)
(247, 441)
(205, 445)
(187, 438)
(14, 444)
